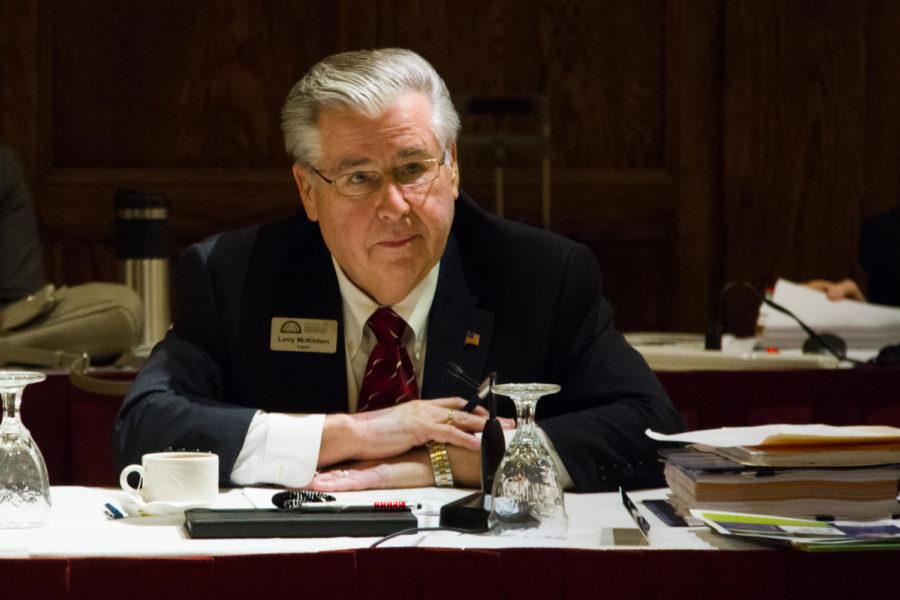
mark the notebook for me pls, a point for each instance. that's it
(262, 523)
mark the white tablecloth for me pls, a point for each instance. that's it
(79, 528)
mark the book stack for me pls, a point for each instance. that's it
(805, 471)
(707, 481)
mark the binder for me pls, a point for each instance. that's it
(207, 523)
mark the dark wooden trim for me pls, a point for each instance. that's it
(695, 90)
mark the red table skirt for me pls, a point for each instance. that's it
(73, 428)
(398, 574)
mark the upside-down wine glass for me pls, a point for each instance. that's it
(24, 485)
(527, 496)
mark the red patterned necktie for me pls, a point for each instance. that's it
(389, 378)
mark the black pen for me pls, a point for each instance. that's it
(639, 520)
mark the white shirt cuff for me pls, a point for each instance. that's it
(279, 449)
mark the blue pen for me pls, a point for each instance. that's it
(113, 512)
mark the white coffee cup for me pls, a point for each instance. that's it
(189, 477)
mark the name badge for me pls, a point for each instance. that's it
(303, 335)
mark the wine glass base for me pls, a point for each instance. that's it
(23, 523)
(532, 528)
(16, 520)
(24, 516)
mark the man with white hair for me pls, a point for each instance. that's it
(314, 351)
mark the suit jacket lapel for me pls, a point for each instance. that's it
(458, 331)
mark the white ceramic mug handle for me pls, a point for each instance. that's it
(123, 478)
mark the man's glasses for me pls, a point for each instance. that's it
(409, 176)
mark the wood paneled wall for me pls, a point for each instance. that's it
(691, 141)
(798, 134)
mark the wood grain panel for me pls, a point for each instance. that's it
(19, 87)
(185, 84)
(882, 137)
(166, 84)
(694, 108)
(606, 103)
(794, 130)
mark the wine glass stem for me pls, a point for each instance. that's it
(525, 414)
(12, 399)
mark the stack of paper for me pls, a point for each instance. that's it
(811, 471)
(862, 326)
(803, 455)
(702, 480)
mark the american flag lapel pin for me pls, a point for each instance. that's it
(473, 338)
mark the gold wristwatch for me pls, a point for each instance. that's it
(440, 464)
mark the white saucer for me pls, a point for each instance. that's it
(134, 506)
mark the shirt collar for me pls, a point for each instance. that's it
(358, 307)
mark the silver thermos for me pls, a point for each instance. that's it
(142, 231)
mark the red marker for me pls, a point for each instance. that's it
(336, 507)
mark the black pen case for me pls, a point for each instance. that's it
(205, 523)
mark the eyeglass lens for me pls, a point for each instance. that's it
(407, 175)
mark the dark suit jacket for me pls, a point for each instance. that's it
(21, 268)
(534, 298)
(879, 253)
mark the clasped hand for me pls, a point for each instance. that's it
(384, 448)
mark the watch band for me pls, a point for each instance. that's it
(440, 464)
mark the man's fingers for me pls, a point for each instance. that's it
(465, 421)
(449, 434)
(454, 402)
(343, 480)
(409, 470)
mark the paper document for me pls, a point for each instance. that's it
(863, 326)
(786, 435)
